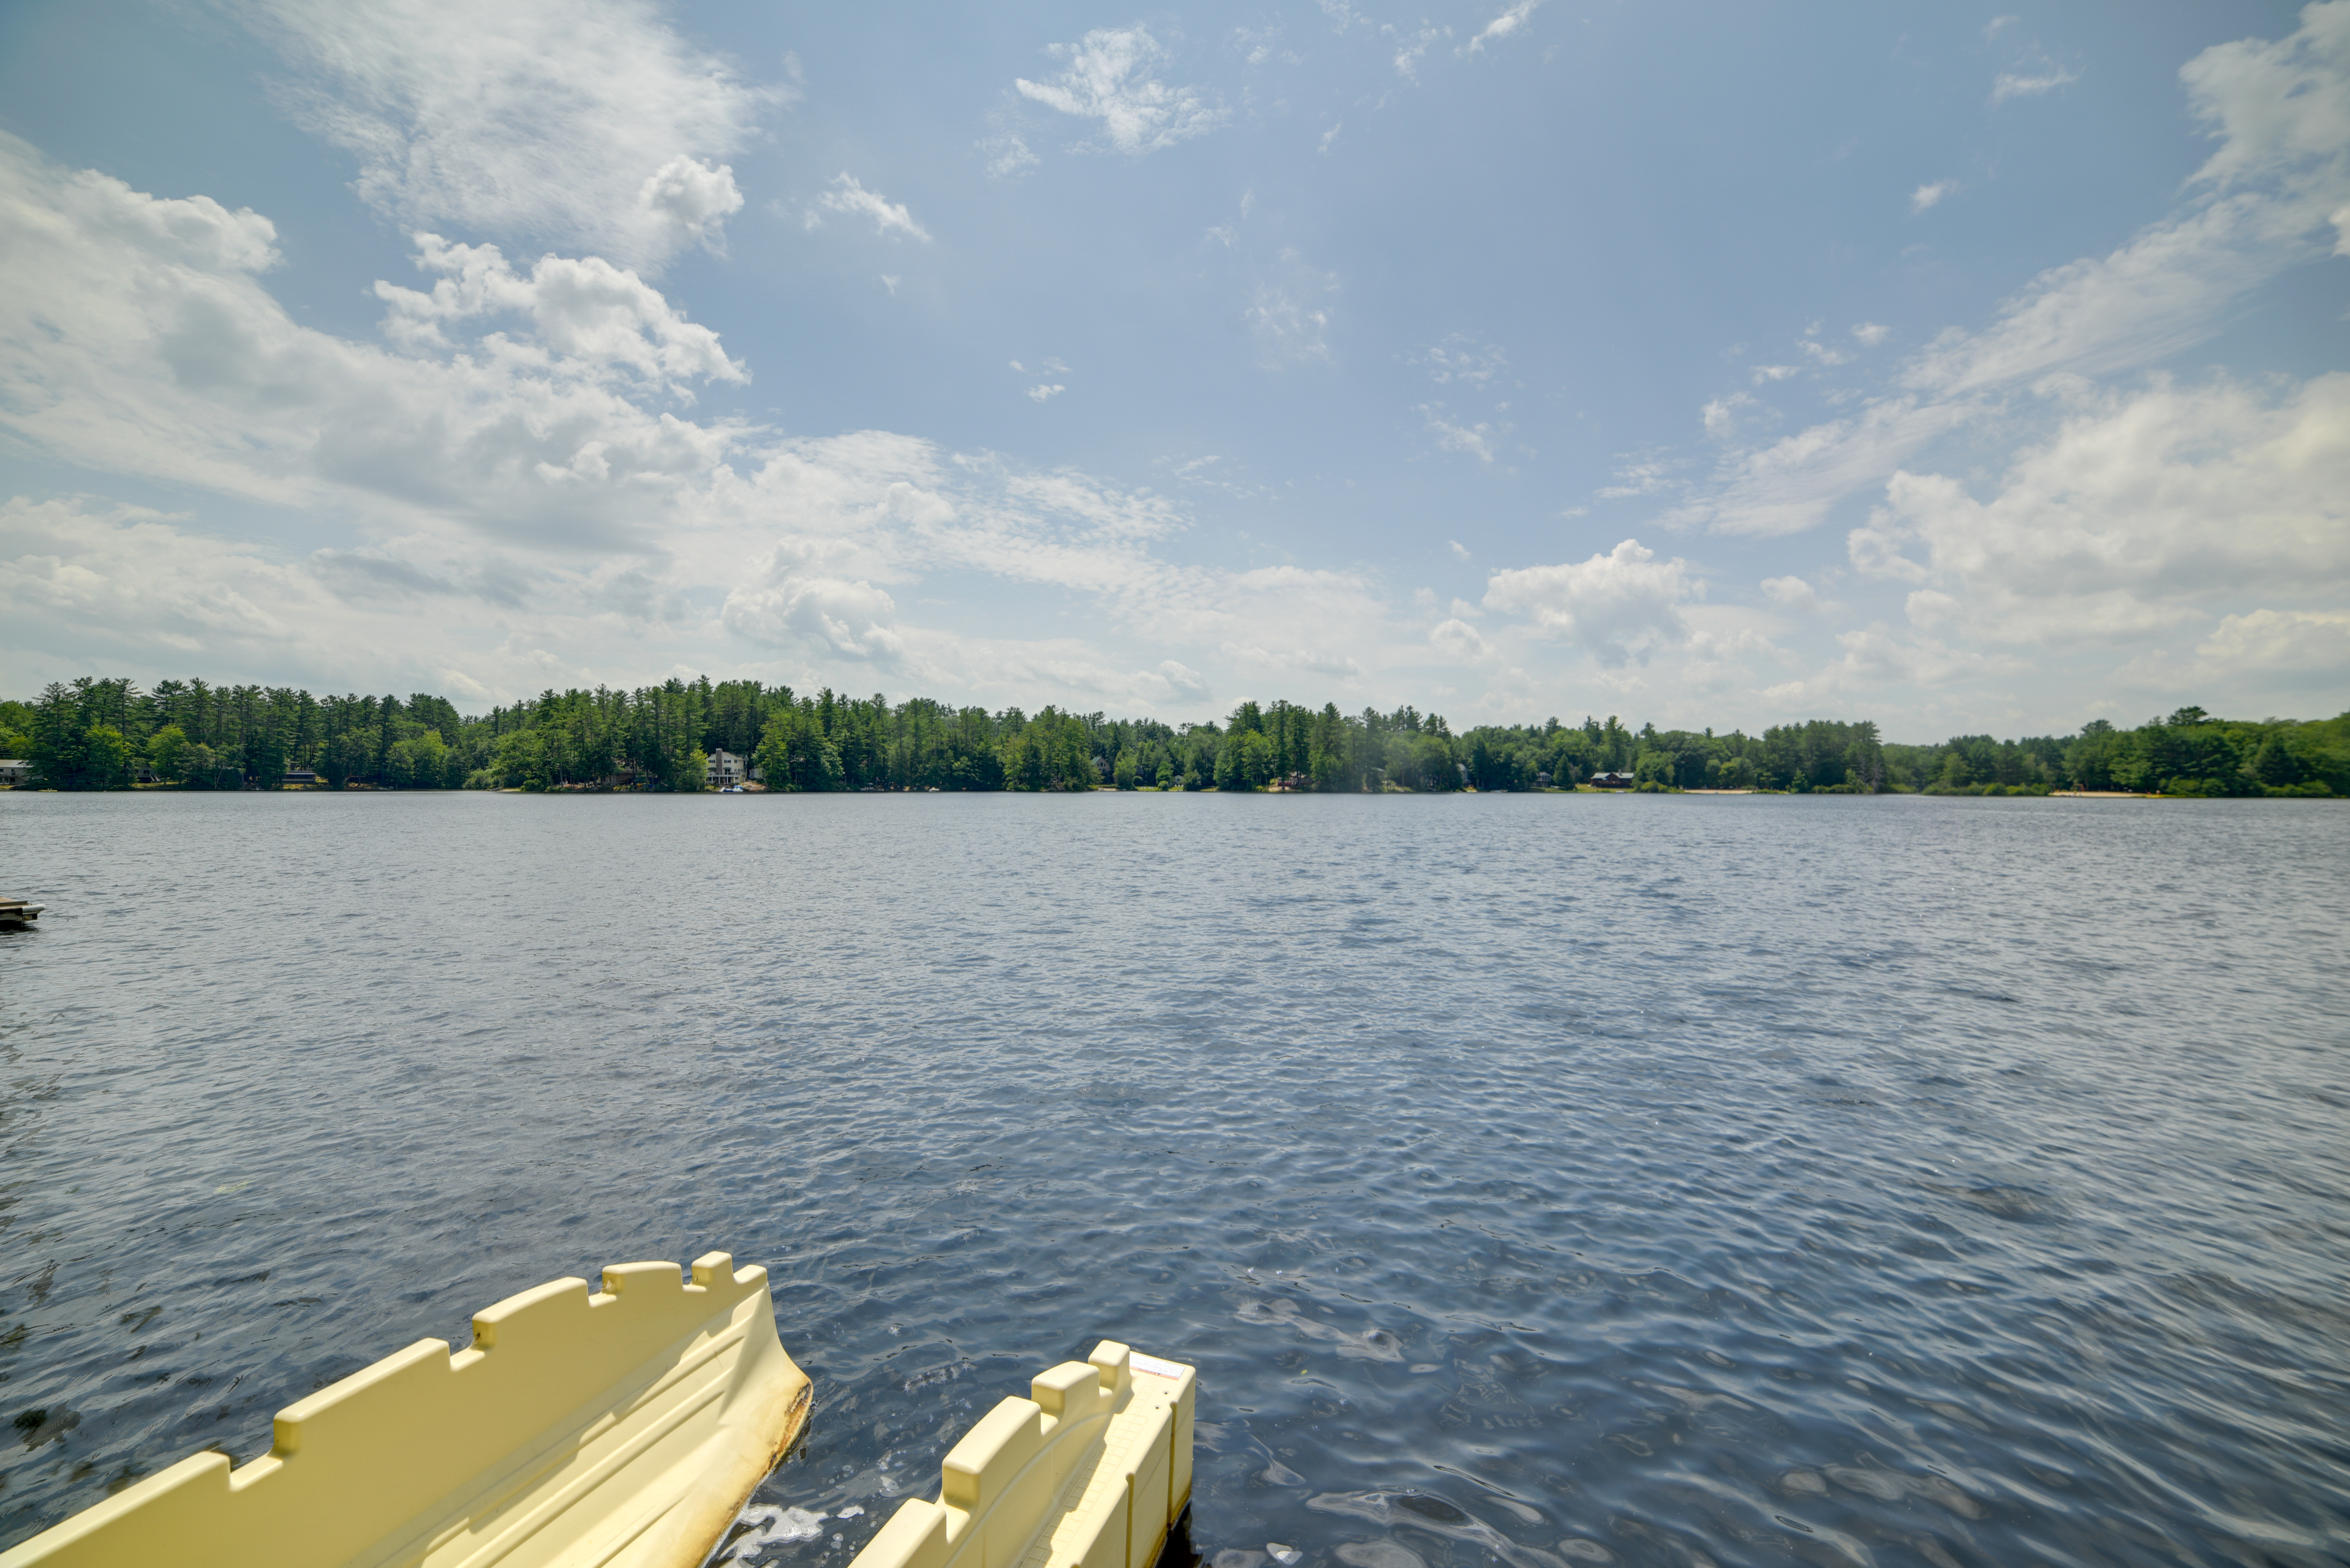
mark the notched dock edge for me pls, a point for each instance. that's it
(624, 1427)
(1092, 1470)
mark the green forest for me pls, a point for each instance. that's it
(97, 733)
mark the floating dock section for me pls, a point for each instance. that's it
(622, 1429)
(1091, 1471)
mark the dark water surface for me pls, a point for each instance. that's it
(1535, 1181)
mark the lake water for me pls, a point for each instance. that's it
(1535, 1179)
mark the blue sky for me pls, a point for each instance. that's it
(1962, 369)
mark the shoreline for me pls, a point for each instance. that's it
(754, 789)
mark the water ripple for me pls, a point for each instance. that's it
(1651, 1181)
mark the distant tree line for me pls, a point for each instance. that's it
(107, 734)
(2188, 754)
(98, 733)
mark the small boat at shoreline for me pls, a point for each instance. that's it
(622, 1429)
(16, 915)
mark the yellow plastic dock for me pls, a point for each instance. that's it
(623, 1428)
(1090, 1471)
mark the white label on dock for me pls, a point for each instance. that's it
(1156, 1367)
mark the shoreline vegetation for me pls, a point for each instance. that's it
(97, 733)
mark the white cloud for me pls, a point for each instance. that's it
(1286, 327)
(1255, 45)
(508, 485)
(1182, 682)
(1620, 606)
(797, 563)
(135, 337)
(1728, 651)
(121, 588)
(1456, 639)
(1504, 25)
(1104, 512)
(1261, 662)
(1007, 155)
(2278, 108)
(1071, 670)
(1876, 552)
(1463, 360)
(1643, 475)
(172, 592)
(1412, 48)
(513, 470)
(1763, 373)
(2142, 514)
(1476, 441)
(1876, 661)
(852, 199)
(588, 309)
(1930, 194)
(685, 201)
(1789, 485)
(1931, 608)
(2281, 111)
(2158, 294)
(509, 494)
(1720, 415)
(2251, 663)
(1109, 79)
(1458, 548)
(2019, 84)
(789, 598)
(587, 126)
(2281, 642)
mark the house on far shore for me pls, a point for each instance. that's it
(724, 768)
(14, 771)
(300, 778)
(1612, 781)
